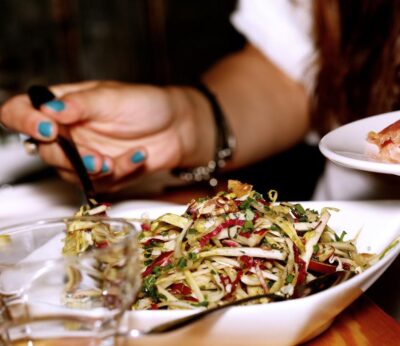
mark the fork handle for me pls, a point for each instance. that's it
(39, 95)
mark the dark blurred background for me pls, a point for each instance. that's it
(146, 41)
(154, 41)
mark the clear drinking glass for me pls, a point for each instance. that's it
(74, 291)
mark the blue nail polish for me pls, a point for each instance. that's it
(55, 105)
(137, 157)
(104, 167)
(88, 161)
(45, 128)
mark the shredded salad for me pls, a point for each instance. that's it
(106, 270)
(234, 245)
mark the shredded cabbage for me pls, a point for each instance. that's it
(237, 244)
(229, 246)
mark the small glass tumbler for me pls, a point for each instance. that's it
(67, 281)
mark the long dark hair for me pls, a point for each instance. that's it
(358, 60)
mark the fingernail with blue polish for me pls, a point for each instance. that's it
(137, 157)
(45, 128)
(104, 167)
(55, 105)
(88, 161)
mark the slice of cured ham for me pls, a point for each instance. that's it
(388, 142)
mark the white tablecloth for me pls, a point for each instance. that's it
(53, 198)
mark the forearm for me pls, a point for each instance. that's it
(268, 112)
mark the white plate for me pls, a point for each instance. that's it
(284, 323)
(348, 146)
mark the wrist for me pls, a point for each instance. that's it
(224, 141)
(195, 126)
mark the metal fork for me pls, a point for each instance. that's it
(39, 95)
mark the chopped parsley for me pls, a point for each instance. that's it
(289, 278)
(149, 287)
(192, 231)
(182, 263)
(274, 227)
(193, 256)
(148, 262)
(246, 204)
(341, 237)
(248, 226)
(204, 303)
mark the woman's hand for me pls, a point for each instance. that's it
(124, 130)
(121, 130)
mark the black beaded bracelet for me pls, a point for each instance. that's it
(225, 145)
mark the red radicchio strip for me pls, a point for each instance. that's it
(191, 299)
(301, 266)
(246, 235)
(179, 288)
(261, 232)
(229, 223)
(161, 261)
(229, 243)
(153, 241)
(250, 262)
(234, 284)
(247, 261)
(321, 267)
(101, 244)
(145, 227)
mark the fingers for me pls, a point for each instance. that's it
(69, 109)
(160, 152)
(79, 103)
(121, 171)
(95, 163)
(19, 115)
(126, 168)
(62, 89)
(129, 163)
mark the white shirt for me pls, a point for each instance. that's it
(281, 29)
